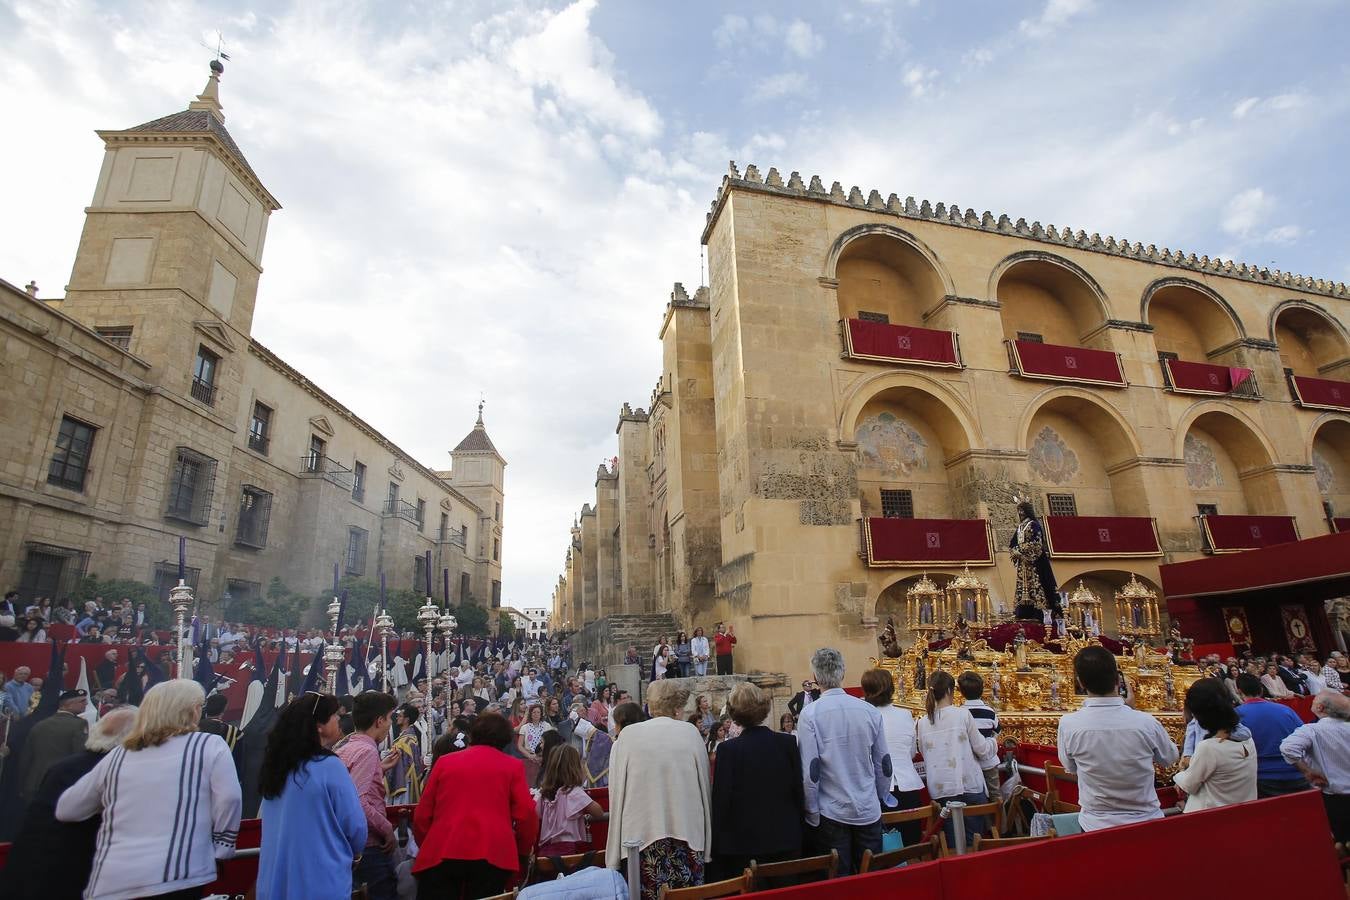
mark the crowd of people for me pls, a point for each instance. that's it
(500, 752)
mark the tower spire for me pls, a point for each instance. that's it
(209, 98)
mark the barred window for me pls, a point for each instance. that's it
(190, 486)
(419, 574)
(464, 589)
(117, 335)
(70, 462)
(255, 510)
(51, 571)
(421, 513)
(879, 318)
(1207, 509)
(1061, 504)
(1030, 337)
(260, 428)
(165, 577)
(496, 550)
(897, 504)
(357, 539)
(204, 376)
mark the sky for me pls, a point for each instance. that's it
(494, 199)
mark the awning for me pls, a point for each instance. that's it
(1312, 569)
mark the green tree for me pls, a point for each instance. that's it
(472, 619)
(506, 626)
(157, 613)
(281, 609)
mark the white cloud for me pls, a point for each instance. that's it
(1246, 214)
(918, 79)
(1055, 14)
(775, 87)
(801, 40)
(730, 30)
(1276, 103)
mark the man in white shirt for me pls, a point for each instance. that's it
(1112, 748)
(529, 686)
(1311, 670)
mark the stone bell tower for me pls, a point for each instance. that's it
(171, 251)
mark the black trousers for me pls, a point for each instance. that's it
(910, 832)
(461, 879)
(724, 664)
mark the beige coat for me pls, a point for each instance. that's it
(659, 787)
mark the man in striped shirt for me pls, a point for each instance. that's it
(371, 715)
(971, 686)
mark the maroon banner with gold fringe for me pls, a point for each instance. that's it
(900, 343)
(1320, 393)
(1054, 362)
(1102, 536)
(928, 542)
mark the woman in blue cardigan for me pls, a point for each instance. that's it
(313, 828)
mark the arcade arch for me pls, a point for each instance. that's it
(1043, 294)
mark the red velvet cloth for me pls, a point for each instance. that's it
(1101, 536)
(1001, 637)
(1059, 363)
(1204, 378)
(1321, 393)
(1249, 532)
(1316, 559)
(1340, 524)
(1223, 648)
(901, 542)
(903, 343)
(1300, 705)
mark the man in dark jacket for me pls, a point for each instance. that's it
(809, 689)
(52, 740)
(51, 859)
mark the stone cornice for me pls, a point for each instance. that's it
(201, 139)
(1248, 343)
(909, 208)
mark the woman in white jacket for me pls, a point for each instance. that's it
(166, 772)
(952, 747)
(700, 652)
(906, 785)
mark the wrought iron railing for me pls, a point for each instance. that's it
(401, 509)
(454, 537)
(315, 465)
(204, 391)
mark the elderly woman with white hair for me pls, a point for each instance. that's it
(170, 802)
(660, 794)
(51, 858)
(1321, 751)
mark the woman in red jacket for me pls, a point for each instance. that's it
(476, 819)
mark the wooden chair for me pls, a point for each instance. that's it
(1054, 776)
(541, 868)
(992, 811)
(790, 872)
(925, 814)
(509, 895)
(729, 888)
(987, 843)
(875, 862)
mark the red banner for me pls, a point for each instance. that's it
(1235, 620)
(1204, 378)
(1225, 534)
(1340, 524)
(1321, 393)
(1102, 536)
(928, 542)
(900, 343)
(1078, 364)
(1297, 628)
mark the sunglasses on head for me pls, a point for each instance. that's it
(317, 697)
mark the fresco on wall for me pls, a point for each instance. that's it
(890, 445)
(1326, 476)
(1050, 458)
(1202, 466)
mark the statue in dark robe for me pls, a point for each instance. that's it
(1036, 587)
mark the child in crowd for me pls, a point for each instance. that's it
(971, 686)
(563, 805)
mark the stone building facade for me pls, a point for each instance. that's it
(859, 365)
(139, 408)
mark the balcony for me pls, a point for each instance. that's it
(1182, 377)
(883, 342)
(918, 543)
(1054, 362)
(453, 537)
(1111, 536)
(259, 443)
(314, 465)
(1229, 534)
(1319, 393)
(203, 391)
(400, 509)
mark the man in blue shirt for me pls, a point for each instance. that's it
(846, 769)
(19, 691)
(1269, 723)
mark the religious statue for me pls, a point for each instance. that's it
(1020, 658)
(1037, 590)
(890, 644)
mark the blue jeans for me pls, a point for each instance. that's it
(376, 871)
(974, 824)
(849, 840)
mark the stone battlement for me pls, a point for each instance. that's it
(909, 208)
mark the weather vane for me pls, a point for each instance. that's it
(219, 48)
